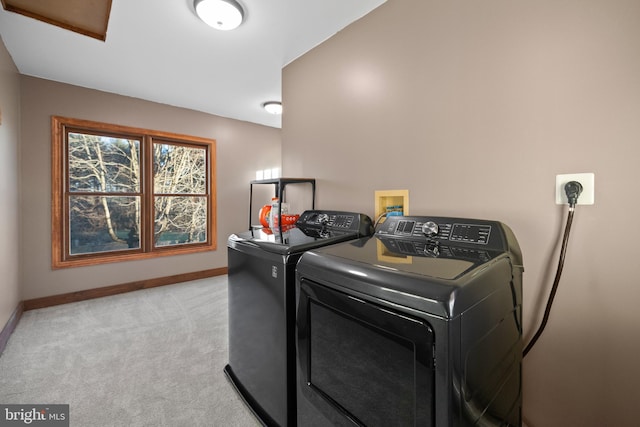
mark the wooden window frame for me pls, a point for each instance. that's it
(61, 257)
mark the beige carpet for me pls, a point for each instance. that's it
(145, 358)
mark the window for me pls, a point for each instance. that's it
(122, 193)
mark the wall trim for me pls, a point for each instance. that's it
(52, 300)
(10, 326)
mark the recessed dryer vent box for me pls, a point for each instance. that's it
(391, 200)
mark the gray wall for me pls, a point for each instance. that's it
(242, 148)
(9, 218)
(474, 107)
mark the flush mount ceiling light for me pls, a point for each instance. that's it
(220, 14)
(273, 107)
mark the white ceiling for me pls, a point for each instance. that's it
(158, 50)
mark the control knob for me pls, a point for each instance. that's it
(430, 229)
(323, 219)
(432, 249)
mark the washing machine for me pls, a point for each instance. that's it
(417, 325)
(261, 284)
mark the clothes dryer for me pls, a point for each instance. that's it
(419, 325)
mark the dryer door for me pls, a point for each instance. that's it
(361, 364)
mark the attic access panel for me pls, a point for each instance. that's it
(88, 17)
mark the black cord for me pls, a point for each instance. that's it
(554, 288)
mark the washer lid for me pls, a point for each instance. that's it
(291, 240)
(445, 285)
(407, 264)
(441, 262)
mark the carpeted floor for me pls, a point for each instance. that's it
(145, 358)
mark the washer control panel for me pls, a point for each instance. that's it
(442, 229)
(336, 220)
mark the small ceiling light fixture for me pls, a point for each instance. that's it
(273, 107)
(220, 14)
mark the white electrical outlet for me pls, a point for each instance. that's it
(587, 180)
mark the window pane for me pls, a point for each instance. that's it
(103, 164)
(180, 220)
(128, 193)
(179, 170)
(103, 223)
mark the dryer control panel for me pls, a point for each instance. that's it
(461, 231)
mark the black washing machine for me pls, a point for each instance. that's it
(418, 325)
(262, 307)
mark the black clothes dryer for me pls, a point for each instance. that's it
(262, 306)
(419, 325)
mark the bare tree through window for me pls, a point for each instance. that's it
(122, 193)
(100, 166)
(180, 182)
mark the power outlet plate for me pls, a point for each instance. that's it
(587, 197)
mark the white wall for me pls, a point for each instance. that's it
(9, 198)
(474, 107)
